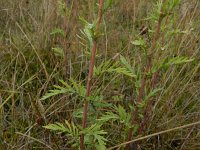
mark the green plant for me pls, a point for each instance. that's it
(92, 61)
(143, 87)
(136, 121)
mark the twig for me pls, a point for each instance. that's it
(155, 134)
(186, 139)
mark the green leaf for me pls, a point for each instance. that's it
(109, 116)
(107, 4)
(100, 146)
(57, 127)
(172, 4)
(153, 93)
(126, 64)
(102, 68)
(112, 68)
(156, 11)
(96, 133)
(122, 70)
(69, 129)
(54, 93)
(175, 61)
(74, 88)
(58, 51)
(139, 42)
(88, 31)
(63, 10)
(78, 113)
(58, 31)
(124, 117)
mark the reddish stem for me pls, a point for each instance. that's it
(139, 98)
(148, 68)
(92, 62)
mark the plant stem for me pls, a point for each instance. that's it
(139, 98)
(92, 62)
(148, 68)
(66, 44)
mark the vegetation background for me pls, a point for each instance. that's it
(42, 42)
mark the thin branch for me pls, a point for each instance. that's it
(155, 134)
